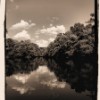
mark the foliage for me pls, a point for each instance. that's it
(22, 49)
(78, 41)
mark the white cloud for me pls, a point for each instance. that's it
(22, 24)
(30, 21)
(22, 36)
(11, 0)
(37, 36)
(55, 18)
(51, 39)
(7, 36)
(54, 30)
(17, 7)
(43, 26)
(42, 43)
(51, 25)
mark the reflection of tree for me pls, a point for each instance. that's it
(21, 66)
(81, 75)
(93, 95)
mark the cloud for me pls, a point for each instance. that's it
(22, 24)
(11, 0)
(51, 25)
(37, 36)
(23, 35)
(51, 39)
(55, 18)
(42, 43)
(17, 7)
(54, 30)
(7, 36)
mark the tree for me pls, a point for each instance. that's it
(78, 41)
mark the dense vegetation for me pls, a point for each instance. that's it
(22, 49)
(78, 41)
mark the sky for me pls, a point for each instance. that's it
(41, 20)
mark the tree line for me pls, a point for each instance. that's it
(78, 41)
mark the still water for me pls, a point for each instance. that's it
(47, 79)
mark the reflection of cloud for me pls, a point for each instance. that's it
(22, 24)
(22, 90)
(23, 78)
(43, 70)
(54, 83)
(51, 80)
(42, 77)
(22, 36)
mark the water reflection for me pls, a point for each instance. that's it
(49, 79)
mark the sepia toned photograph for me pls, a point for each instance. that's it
(51, 49)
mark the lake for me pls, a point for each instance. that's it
(49, 79)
